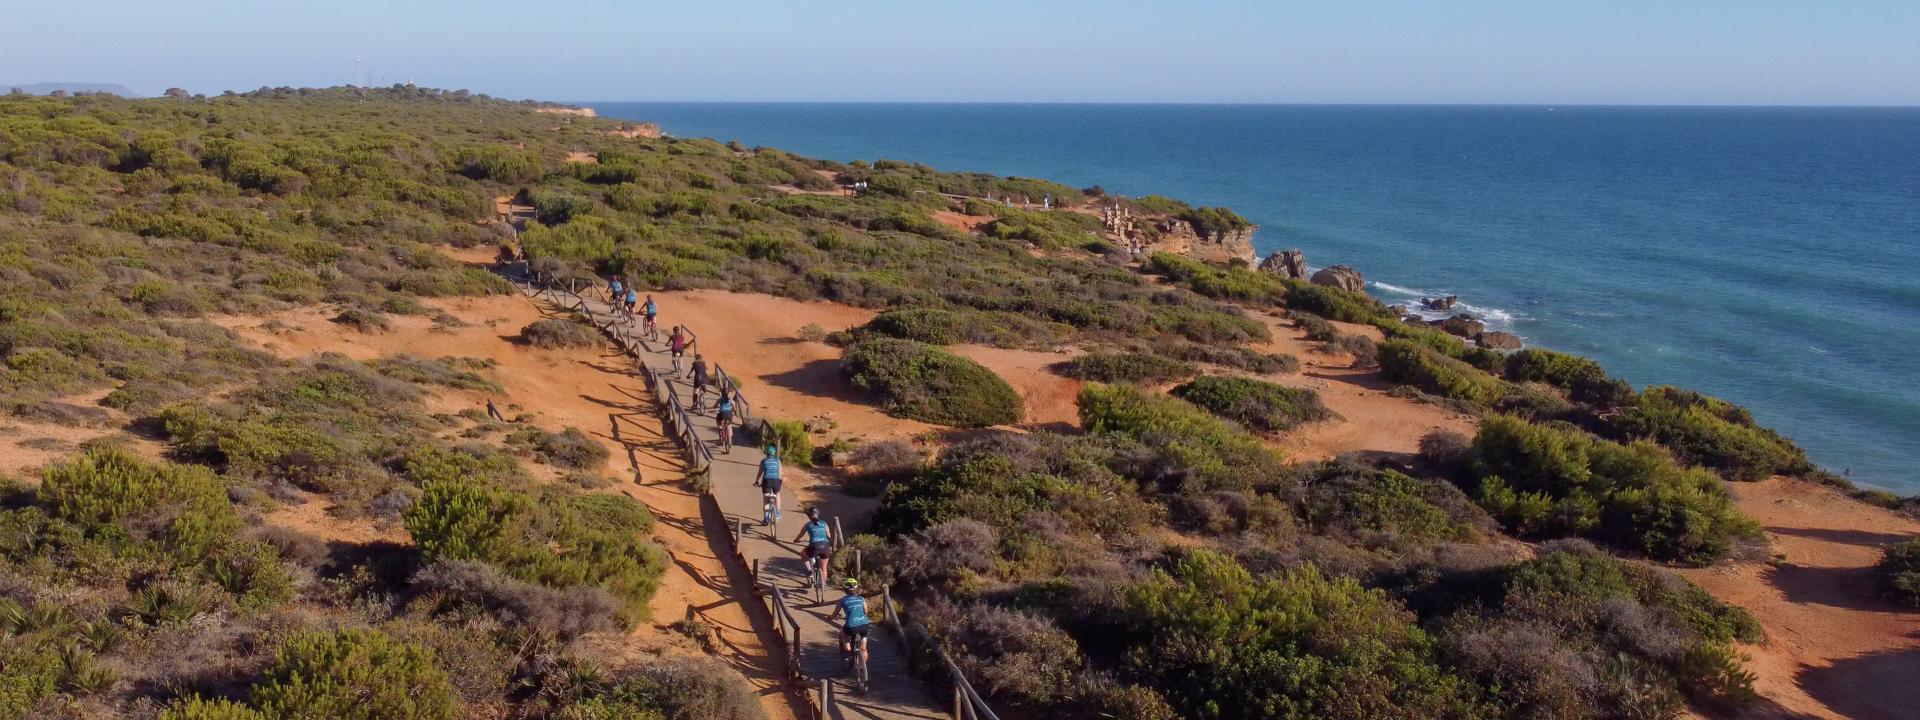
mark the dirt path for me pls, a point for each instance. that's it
(1834, 649)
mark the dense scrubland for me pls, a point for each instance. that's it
(1164, 560)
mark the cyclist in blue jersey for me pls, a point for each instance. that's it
(650, 312)
(853, 634)
(768, 480)
(819, 545)
(770, 494)
(723, 416)
(615, 291)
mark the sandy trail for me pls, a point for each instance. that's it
(1834, 649)
(1371, 421)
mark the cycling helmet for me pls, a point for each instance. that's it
(813, 513)
(772, 451)
(850, 584)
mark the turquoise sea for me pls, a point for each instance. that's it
(1770, 256)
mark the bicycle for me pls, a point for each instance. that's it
(651, 329)
(816, 580)
(769, 508)
(853, 650)
(726, 436)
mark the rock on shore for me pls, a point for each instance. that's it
(1340, 276)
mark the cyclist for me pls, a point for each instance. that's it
(632, 297)
(615, 292)
(677, 346)
(853, 635)
(723, 416)
(769, 500)
(699, 382)
(819, 545)
(768, 479)
(650, 312)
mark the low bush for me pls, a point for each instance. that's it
(922, 382)
(1192, 446)
(548, 543)
(1899, 572)
(1408, 363)
(1575, 633)
(1350, 500)
(197, 708)
(795, 443)
(1217, 642)
(554, 333)
(1553, 481)
(888, 459)
(366, 320)
(1334, 303)
(1361, 348)
(667, 688)
(1126, 367)
(933, 326)
(561, 613)
(1316, 327)
(570, 448)
(1257, 404)
(1581, 377)
(1006, 481)
(1702, 430)
(111, 493)
(1242, 358)
(354, 675)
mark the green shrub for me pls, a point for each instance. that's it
(354, 674)
(933, 326)
(1542, 479)
(612, 513)
(1126, 367)
(795, 443)
(1215, 454)
(197, 708)
(553, 333)
(573, 449)
(1220, 643)
(549, 543)
(109, 492)
(1247, 359)
(1405, 362)
(1899, 572)
(922, 382)
(1218, 282)
(1257, 404)
(366, 320)
(1356, 501)
(1334, 303)
(1702, 430)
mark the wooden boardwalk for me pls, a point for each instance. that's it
(894, 691)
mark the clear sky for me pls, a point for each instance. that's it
(1787, 52)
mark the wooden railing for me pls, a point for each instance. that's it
(967, 702)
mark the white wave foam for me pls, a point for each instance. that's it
(1392, 288)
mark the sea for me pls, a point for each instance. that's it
(1768, 256)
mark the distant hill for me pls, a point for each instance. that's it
(72, 87)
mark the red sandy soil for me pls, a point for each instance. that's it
(580, 156)
(27, 446)
(1371, 421)
(961, 221)
(1834, 649)
(588, 389)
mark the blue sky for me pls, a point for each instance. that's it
(1387, 51)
